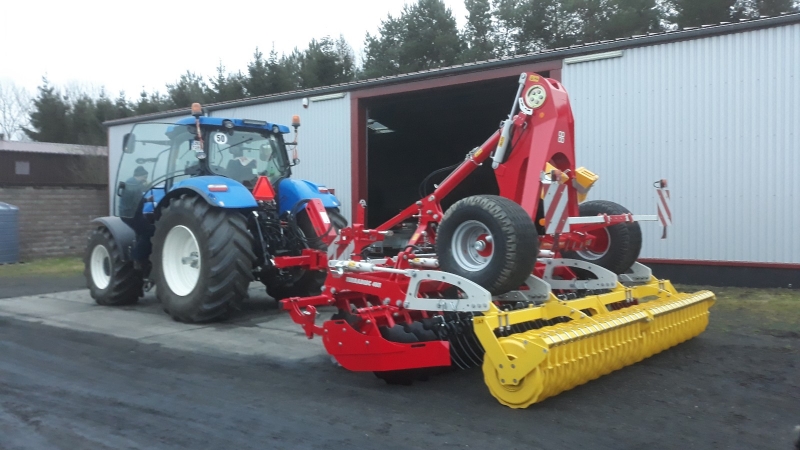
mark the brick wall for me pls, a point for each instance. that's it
(54, 221)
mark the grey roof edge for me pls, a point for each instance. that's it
(497, 63)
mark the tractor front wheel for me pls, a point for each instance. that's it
(202, 260)
(111, 280)
(615, 248)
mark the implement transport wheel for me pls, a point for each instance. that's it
(202, 260)
(489, 240)
(111, 281)
(615, 248)
(304, 283)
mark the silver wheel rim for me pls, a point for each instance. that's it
(100, 267)
(472, 246)
(180, 260)
(590, 255)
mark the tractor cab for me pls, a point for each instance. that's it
(159, 156)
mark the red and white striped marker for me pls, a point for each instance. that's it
(556, 217)
(664, 209)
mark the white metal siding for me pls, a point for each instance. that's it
(718, 118)
(324, 139)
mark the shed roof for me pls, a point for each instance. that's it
(542, 55)
(54, 149)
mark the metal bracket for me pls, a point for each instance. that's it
(637, 274)
(606, 279)
(475, 298)
(538, 291)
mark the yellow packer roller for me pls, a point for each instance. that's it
(527, 367)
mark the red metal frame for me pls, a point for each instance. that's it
(375, 298)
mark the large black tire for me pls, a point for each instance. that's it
(111, 280)
(224, 259)
(624, 240)
(514, 243)
(337, 218)
(304, 283)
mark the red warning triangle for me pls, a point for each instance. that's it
(263, 190)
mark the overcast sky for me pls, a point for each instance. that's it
(144, 43)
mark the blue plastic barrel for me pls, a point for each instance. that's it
(9, 233)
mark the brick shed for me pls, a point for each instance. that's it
(58, 188)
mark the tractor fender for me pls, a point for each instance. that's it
(123, 234)
(292, 191)
(236, 196)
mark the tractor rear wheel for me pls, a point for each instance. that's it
(615, 248)
(111, 280)
(202, 260)
(490, 240)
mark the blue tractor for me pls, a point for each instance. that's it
(203, 207)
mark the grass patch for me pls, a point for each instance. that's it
(761, 309)
(51, 267)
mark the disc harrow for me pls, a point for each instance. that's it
(538, 286)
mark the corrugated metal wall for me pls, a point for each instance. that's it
(718, 117)
(324, 142)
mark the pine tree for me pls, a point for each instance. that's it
(226, 86)
(326, 62)
(694, 13)
(257, 82)
(189, 88)
(50, 115)
(478, 32)
(424, 37)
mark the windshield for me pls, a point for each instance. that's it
(244, 155)
(144, 163)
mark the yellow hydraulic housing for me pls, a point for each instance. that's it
(526, 368)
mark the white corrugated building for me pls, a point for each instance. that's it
(714, 110)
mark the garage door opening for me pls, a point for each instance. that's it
(411, 135)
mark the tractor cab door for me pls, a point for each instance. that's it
(143, 166)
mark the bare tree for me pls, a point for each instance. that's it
(15, 108)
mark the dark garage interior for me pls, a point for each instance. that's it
(411, 135)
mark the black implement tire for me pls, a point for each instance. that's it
(624, 240)
(223, 258)
(111, 281)
(337, 218)
(304, 283)
(514, 244)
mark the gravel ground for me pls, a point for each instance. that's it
(735, 386)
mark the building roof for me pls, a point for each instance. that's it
(53, 149)
(543, 55)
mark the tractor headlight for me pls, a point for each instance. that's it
(535, 96)
(227, 124)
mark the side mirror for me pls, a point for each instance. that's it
(128, 143)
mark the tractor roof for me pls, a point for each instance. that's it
(244, 123)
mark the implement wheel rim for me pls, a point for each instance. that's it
(100, 266)
(601, 243)
(180, 260)
(525, 392)
(472, 245)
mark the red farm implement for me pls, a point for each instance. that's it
(537, 285)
